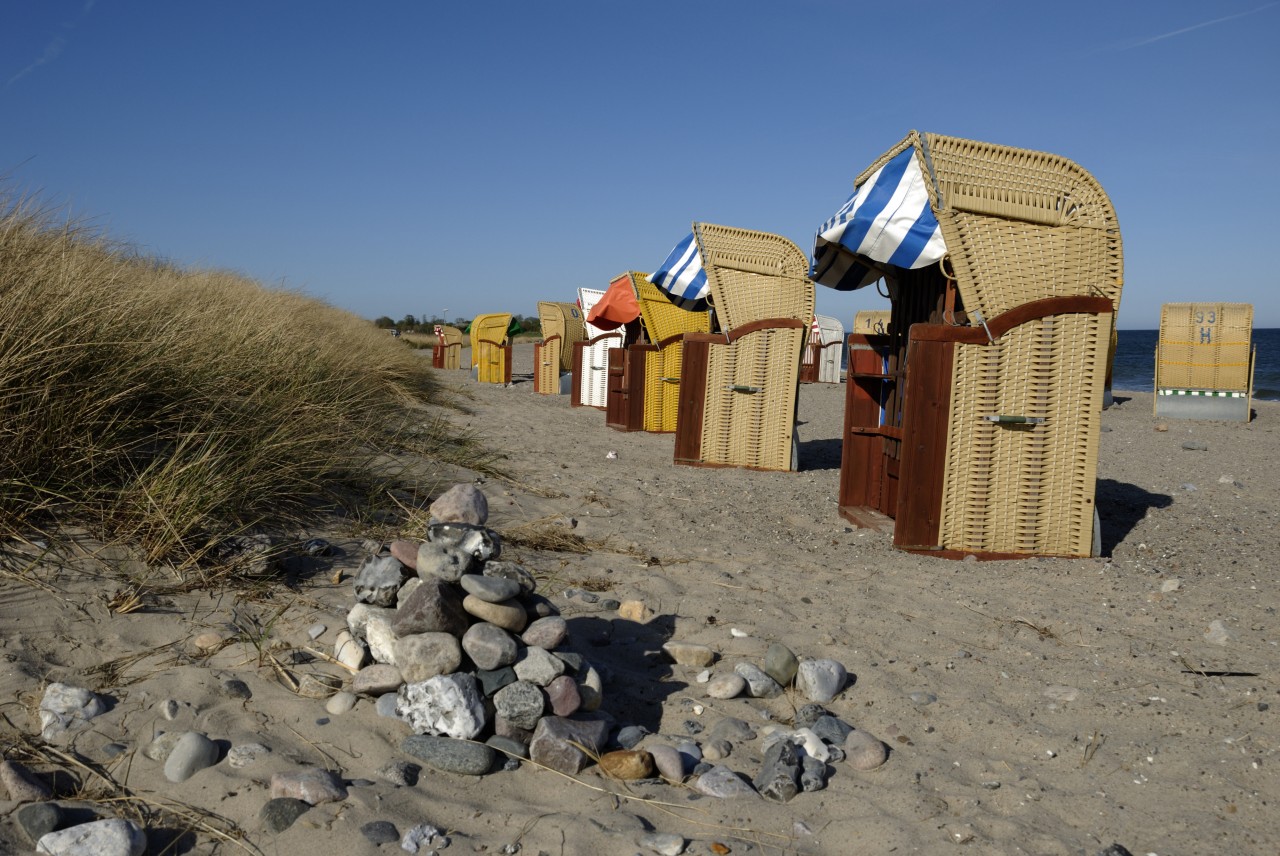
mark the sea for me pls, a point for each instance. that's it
(1135, 365)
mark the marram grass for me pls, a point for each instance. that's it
(166, 407)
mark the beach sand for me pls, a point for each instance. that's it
(1036, 706)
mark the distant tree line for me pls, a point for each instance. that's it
(412, 324)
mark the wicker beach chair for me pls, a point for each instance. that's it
(738, 387)
(871, 322)
(491, 347)
(447, 352)
(1204, 361)
(553, 356)
(591, 356)
(823, 351)
(974, 420)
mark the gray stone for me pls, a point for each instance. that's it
(521, 704)
(572, 660)
(831, 729)
(759, 684)
(734, 729)
(159, 748)
(689, 654)
(22, 784)
(311, 785)
(169, 709)
(629, 736)
(509, 615)
(669, 761)
(509, 746)
(716, 749)
(479, 542)
(512, 571)
(422, 656)
(492, 680)
(1196, 446)
(502, 727)
(492, 589)
(379, 832)
(863, 751)
(556, 743)
(378, 580)
(813, 774)
(376, 679)
(114, 836)
(237, 689)
(726, 685)
(539, 666)
(432, 607)
(547, 633)
(808, 714)
(443, 562)
(38, 819)
(387, 705)
(462, 503)
(192, 753)
(278, 814)
(64, 707)
(780, 664)
(340, 703)
(400, 773)
(449, 755)
(820, 680)
(536, 606)
(1219, 633)
(246, 754)
(446, 704)
(723, 783)
(663, 843)
(922, 698)
(489, 646)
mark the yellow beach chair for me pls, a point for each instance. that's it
(1204, 361)
(491, 347)
(553, 356)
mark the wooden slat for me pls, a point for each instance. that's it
(926, 406)
(693, 391)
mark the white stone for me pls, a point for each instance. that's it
(192, 753)
(820, 680)
(111, 837)
(446, 704)
(349, 651)
(381, 639)
(64, 706)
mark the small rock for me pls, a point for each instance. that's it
(278, 814)
(192, 753)
(210, 640)
(405, 552)
(922, 698)
(780, 664)
(450, 755)
(311, 785)
(539, 666)
(1062, 693)
(22, 784)
(379, 832)
(509, 615)
(759, 684)
(492, 680)
(489, 646)
(863, 751)
(64, 707)
(246, 754)
(723, 783)
(627, 764)
(813, 774)
(512, 571)
(446, 704)
(432, 607)
(1195, 446)
(400, 773)
(350, 651)
(820, 680)
(664, 843)
(462, 503)
(1170, 585)
(547, 633)
(491, 589)
(1219, 633)
(422, 656)
(635, 610)
(38, 819)
(562, 744)
(521, 703)
(378, 580)
(689, 654)
(376, 680)
(442, 562)
(340, 703)
(111, 837)
(562, 694)
(726, 685)
(668, 761)
(629, 736)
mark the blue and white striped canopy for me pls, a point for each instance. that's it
(682, 278)
(886, 220)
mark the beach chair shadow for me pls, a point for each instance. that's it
(1120, 506)
(638, 679)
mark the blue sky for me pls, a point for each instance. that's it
(402, 158)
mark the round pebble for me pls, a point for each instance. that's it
(864, 751)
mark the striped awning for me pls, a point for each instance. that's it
(682, 278)
(887, 220)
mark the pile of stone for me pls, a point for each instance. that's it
(453, 640)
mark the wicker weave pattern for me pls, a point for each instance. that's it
(561, 327)
(871, 322)
(1026, 488)
(750, 405)
(1205, 346)
(1021, 225)
(663, 320)
(488, 341)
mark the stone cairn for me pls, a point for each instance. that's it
(458, 644)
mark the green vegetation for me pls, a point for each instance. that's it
(169, 408)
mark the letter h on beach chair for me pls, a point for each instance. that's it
(974, 419)
(738, 387)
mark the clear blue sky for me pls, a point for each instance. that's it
(402, 158)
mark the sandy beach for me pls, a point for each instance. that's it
(1036, 706)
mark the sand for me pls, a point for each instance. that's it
(1036, 706)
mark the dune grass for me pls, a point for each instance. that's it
(168, 408)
